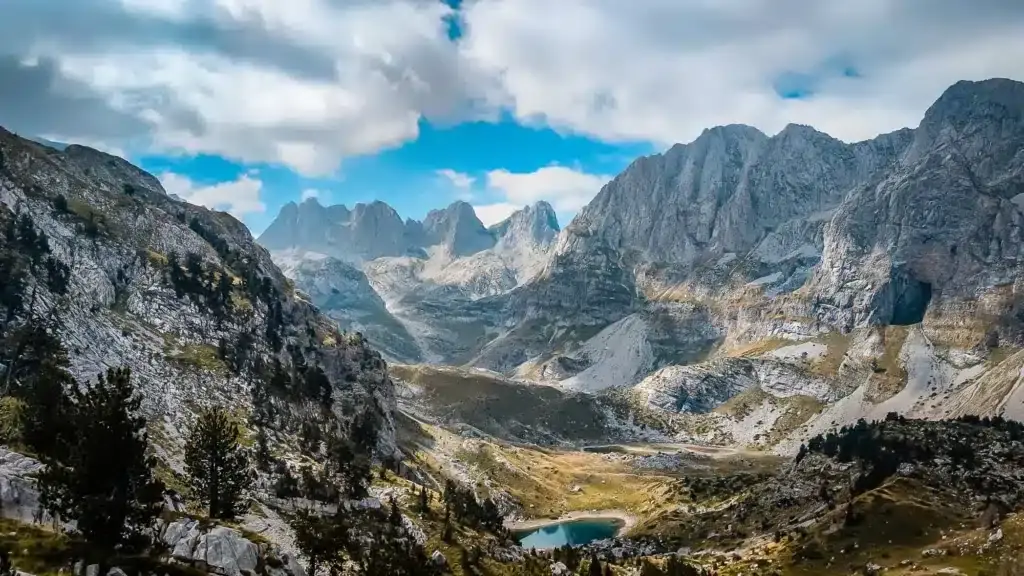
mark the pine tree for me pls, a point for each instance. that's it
(103, 480)
(595, 566)
(424, 503)
(394, 514)
(46, 419)
(217, 465)
(321, 539)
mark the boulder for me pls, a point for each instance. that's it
(226, 552)
(438, 559)
(19, 498)
(559, 569)
(221, 550)
(181, 537)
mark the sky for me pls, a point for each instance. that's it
(245, 105)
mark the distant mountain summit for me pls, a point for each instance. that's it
(449, 256)
(533, 225)
(374, 230)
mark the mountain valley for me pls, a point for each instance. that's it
(757, 290)
(758, 354)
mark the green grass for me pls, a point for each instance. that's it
(11, 410)
(740, 405)
(201, 357)
(507, 410)
(34, 549)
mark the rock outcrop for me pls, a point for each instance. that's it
(142, 268)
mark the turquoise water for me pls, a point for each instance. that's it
(574, 532)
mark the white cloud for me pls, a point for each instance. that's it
(238, 197)
(458, 179)
(304, 83)
(663, 70)
(310, 193)
(494, 213)
(567, 190)
(308, 83)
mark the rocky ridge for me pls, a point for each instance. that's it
(693, 270)
(184, 298)
(424, 272)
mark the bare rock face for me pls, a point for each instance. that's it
(689, 269)
(345, 295)
(429, 282)
(457, 230)
(943, 225)
(116, 230)
(19, 497)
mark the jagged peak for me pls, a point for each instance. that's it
(535, 224)
(968, 103)
(457, 228)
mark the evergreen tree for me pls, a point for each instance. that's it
(394, 514)
(424, 503)
(103, 479)
(47, 416)
(321, 539)
(595, 566)
(217, 465)
(318, 387)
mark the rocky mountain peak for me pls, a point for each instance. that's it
(971, 115)
(534, 225)
(457, 229)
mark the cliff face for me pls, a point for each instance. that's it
(141, 294)
(738, 245)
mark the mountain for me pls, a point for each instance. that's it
(367, 231)
(96, 253)
(422, 271)
(809, 280)
(798, 253)
(805, 253)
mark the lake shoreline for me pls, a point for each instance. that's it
(627, 519)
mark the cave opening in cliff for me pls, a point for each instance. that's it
(911, 303)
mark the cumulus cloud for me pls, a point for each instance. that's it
(307, 83)
(311, 193)
(457, 179)
(665, 72)
(238, 197)
(566, 189)
(493, 213)
(303, 83)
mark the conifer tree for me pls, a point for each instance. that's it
(102, 478)
(320, 538)
(424, 502)
(595, 566)
(394, 515)
(217, 465)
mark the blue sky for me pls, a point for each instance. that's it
(412, 178)
(244, 105)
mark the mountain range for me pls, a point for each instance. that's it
(806, 280)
